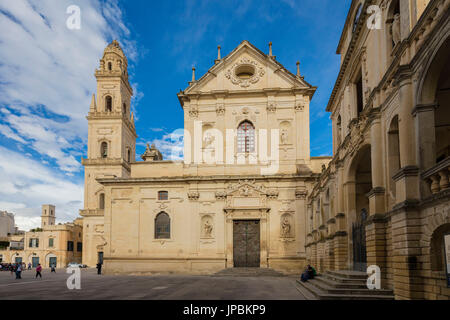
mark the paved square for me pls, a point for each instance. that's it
(173, 287)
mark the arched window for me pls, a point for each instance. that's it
(108, 104)
(246, 137)
(128, 155)
(162, 226)
(109, 66)
(101, 201)
(163, 195)
(125, 109)
(104, 150)
(437, 252)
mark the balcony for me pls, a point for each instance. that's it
(437, 177)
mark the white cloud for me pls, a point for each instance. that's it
(27, 184)
(171, 145)
(46, 64)
(46, 76)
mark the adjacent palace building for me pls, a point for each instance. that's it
(248, 194)
(384, 198)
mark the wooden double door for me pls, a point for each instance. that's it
(246, 243)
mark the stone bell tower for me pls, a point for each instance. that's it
(111, 141)
(48, 216)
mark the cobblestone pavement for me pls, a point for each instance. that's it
(173, 287)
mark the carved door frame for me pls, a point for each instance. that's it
(261, 214)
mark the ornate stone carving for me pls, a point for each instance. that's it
(284, 136)
(272, 194)
(285, 228)
(395, 31)
(193, 195)
(207, 229)
(209, 141)
(301, 194)
(152, 154)
(299, 106)
(271, 107)
(245, 82)
(221, 195)
(193, 112)
(220, 109)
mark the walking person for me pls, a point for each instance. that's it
(29, 265)
(53, 268)
(38, 271)
(19, 271)
(99, 268)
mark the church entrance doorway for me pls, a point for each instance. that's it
(246, 243)
(359, 243)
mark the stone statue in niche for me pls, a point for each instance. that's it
(207, 229)
(396, 36)
(284, 136)
(209, 141)
(285, 228)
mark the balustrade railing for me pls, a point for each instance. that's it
(438, 176)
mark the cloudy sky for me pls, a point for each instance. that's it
(46, 78)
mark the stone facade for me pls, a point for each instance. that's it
(7, 224)
(179, 216)
(49, 244)
(384, 198)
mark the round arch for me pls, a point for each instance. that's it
(435, 67)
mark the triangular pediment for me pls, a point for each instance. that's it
(246, 68)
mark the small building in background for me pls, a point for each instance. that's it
(52, 244)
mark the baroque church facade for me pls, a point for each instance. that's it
(384, 198)
(238, 199)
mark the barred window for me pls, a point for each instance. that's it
(163, 195)
(70, 246)
(246, 137)
(162, 226)
(50, 242)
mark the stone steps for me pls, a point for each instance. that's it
(248, 272)
(341, 285)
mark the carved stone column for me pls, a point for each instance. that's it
(377, 195)
(425, 124)
(407, 179)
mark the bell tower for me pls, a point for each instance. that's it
(111, 141)
(112, 135)
(48, 216)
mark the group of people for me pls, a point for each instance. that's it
(18, 268)
(309, 273)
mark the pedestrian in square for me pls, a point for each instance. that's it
(19, 271)
(38, 271)
(99, 268)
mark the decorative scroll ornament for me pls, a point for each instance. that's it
(245, 82)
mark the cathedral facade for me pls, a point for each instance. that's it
(384, 198)
(238, 199)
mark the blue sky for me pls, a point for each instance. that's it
(46, 77)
